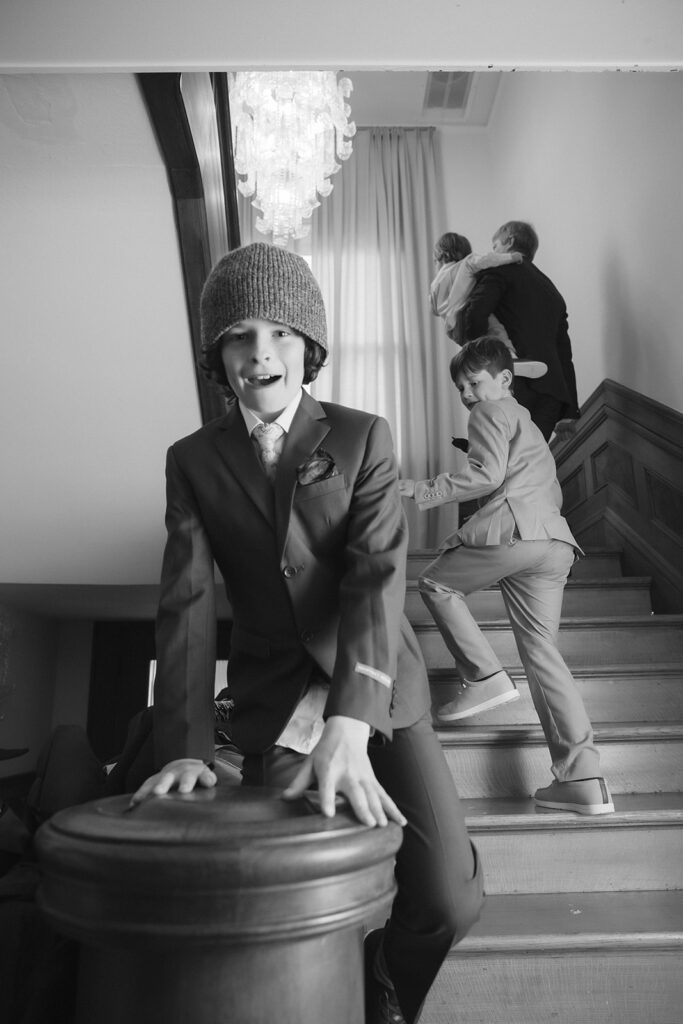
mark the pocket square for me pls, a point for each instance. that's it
(320, 466)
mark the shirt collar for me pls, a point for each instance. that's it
(285, 418)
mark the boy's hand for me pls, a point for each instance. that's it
(517, 257)
(406, 488)
(183, 775)
(564, 429)
(340, 763)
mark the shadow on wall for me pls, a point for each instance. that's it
(634, 330)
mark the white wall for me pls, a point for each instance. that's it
(97, 375)
(593, 161)
(467, 175)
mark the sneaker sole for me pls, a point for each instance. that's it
(592, 809)
(487, 705)
(530, 368)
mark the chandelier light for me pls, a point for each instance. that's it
(289, 129)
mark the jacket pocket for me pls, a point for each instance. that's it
(305, 492)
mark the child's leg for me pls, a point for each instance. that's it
(533, 598)
(443, 587)
(484, 684)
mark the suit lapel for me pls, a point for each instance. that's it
(309, 428)
(237, 451)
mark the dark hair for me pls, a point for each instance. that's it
(211, 365)
(484, 353)
(452, 247)
(523, 237)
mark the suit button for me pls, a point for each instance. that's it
(289, 571)
(307, 636)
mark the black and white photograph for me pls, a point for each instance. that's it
(341, 529)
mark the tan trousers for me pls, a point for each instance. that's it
(532, 575)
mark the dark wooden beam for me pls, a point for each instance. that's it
(219, 81)
(164, 101)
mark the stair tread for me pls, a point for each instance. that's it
(586, 583)
(494, 813)
(588, 551)
(594, 622)
(506, 735)
(558, 922)
(646, 670)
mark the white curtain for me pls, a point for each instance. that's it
(371, 247)
(372, 241)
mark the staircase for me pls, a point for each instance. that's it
(583, 922)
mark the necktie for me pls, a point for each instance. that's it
(270, 440)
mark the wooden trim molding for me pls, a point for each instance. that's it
(192, 149)
(622, 480)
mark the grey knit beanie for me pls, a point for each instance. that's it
(262, 282)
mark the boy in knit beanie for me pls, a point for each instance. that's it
(298, 504)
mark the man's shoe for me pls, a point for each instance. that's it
(584, 796)
(471, 698)
(381, 1004)
(531, 368)
(461, 443)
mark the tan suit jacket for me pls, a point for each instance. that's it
(511, 470)
(314, 570)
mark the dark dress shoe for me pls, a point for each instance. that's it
(381, 1004)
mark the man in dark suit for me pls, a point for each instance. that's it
(534, 315)
(328, 682)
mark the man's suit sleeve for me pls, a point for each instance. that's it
(372, 590)
(564, 351)
(483, 301)
(185, 630)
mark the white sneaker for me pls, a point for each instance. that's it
(531, 368)
(471, 698)
(583, 796)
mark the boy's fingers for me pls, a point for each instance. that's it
(328, 791)
(392, 810)
(375, 808)
(301, 782)
(187, 781)
(141, 794)
(184, 778)
(165, 782)
(208, 777)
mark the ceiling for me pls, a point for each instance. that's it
(397, 98)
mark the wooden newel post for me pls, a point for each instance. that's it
(225, 906)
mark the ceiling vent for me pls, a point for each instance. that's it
(448, 90)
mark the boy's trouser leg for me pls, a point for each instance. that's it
(439, 876)
(533, 598)
(443, 586)
(440, 885)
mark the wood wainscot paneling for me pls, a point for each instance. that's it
(622, 480)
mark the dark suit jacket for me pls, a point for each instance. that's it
(314, 573)
(534, 314)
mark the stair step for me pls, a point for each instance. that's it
(635, 693)
(602, 562)
(624, 595)
(513, 761)
(582, 642)
(527, 849)
(582, 958)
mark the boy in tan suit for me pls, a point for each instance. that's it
(519, 539)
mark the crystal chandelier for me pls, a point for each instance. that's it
(289, 128)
